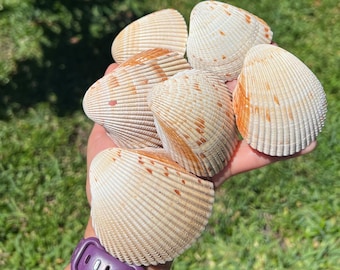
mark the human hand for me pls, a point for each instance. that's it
(244, 159)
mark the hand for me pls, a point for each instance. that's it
(244, 159)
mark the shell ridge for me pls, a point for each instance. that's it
(232, 32)
(140, 218)
(190, 204)
(132, 39)
(186, 130)
(283, 115)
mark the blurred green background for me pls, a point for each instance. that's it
(284, 216)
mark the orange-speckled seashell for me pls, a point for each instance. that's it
(280, 105)
(220, 36)
(146, 209)
(195, 120)
(118, 101)
(161, 29)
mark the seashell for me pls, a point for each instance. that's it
(220, 36)
(280, 105)
(118, 100)
(195, 120)
(145, 208)
(161, 29)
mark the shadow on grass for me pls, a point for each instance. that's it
(72, 61)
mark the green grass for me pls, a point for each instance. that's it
(284, 216)
(43, 204)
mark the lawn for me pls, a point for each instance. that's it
(284, 216)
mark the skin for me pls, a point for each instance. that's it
(244, 159)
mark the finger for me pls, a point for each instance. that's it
(97, 142)
(111, 67)
(246, 159)
(89, 231)
(165, 266)
(231, 85)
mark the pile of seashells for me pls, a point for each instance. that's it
(176, 123)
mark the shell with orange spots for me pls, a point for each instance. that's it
(220, 35)
(161, 29)
(117, 101)
(195, 120)
(146, 209)
(148, 205)
(280, 105)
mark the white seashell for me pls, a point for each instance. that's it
(220, 36)
(118, 100)
(195, 120)
(145, 208)
(161, 29)
(280, 105)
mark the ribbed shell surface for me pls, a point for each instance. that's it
(118, 100)
(220, 35)
(145, 208)
(280, 105)
(149, 205)
(195, 120)
(161, 29)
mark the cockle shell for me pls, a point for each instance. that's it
(145, 208)
(195, 120)
(149, 205)
(220, 36)
(118, 100)
(161, 29)
(280, 105)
